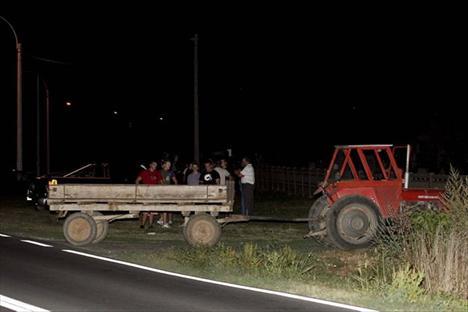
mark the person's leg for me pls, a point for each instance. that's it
(144, 216)
(242, 210)
(167, 219)
(243, 207)
(151, 219)
(249, 198)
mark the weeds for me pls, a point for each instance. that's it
(251, 259)
(406, 283)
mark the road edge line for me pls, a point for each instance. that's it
(19, 306)
(35, 243)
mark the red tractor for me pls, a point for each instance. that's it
(363, 186)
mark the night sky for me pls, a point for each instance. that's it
(284, 82)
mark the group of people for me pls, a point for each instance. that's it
(212, 174)
(153, 176)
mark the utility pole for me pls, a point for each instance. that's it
(196, 121)
(38, 127)
(47, 130)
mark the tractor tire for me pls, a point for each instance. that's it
(202, 230)
(353, 222)
(79, 229)
(316, 211)
(102, 228)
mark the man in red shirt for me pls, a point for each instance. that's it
(149, 176)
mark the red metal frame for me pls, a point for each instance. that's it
(386, 192)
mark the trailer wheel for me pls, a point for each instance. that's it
(202, 230)
(102, 227)
(315, 212)
(79, 229)
(352, 222)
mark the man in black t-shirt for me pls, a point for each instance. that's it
(209, 176)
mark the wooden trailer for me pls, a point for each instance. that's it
(89, 208)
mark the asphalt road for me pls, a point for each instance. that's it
(49, 278)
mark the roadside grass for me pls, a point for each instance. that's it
(270, 255)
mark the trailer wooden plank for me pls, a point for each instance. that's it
(138, 207)
(140, 202)
(131, 192)
(102, 192)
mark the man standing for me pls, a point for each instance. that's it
(221, 169)
(149, 176)
(209, 176)
(194, 177)
(168, 177)
(247, 175)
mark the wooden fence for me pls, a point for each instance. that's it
(302, 182)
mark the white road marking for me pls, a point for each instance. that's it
(199, 279)
(19, 306)
(35, 243)
(4, 235)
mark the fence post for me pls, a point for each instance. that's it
(285, 180)
(278, 178)
(295, 180)
(302, 183)
(262, 177)
(271, 179)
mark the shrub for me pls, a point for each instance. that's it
(455, 198)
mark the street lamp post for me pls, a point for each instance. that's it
(19, 104)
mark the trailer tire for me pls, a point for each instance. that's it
(353, 222)
(316, 211)
(102, 228)
(202, 230)
(79, 229)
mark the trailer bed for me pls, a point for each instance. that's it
(126, 197)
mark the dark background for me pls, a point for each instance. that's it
(283, 82)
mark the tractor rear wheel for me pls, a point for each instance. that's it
(353, 222)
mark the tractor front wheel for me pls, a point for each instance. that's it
(353, 222)
(316, 213)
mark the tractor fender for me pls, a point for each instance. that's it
(364, 192)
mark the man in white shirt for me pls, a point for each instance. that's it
(224, 174)
(247, 176)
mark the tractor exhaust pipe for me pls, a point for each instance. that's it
(408, 151)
